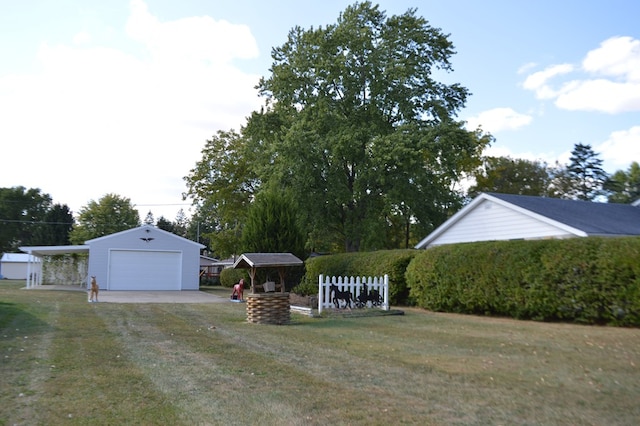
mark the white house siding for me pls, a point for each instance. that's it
(491, 221)
(148, 243)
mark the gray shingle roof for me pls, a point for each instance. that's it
(591, 217)
(262, 260)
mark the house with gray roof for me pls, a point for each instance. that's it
(492, 216)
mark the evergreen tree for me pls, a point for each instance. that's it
(585, 174)
(272, 225)
(165, 224)
(149, 220)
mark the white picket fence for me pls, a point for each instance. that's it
(354, 285)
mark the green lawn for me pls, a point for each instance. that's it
(66, 361)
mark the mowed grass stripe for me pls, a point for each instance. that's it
(91, 380)
(186, 354)
(204, 364)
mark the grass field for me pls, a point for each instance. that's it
(66, 361)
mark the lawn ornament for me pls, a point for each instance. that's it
(93, 293)
(238, 291)
(339, 295)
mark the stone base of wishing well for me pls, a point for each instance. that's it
(268, 308)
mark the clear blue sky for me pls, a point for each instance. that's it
(120, 96)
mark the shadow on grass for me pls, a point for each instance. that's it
(13, 316)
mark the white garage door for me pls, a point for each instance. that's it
(145, 270)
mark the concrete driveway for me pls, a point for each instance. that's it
(192, 296)
(106, 296)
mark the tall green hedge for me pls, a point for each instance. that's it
(368, 264)
(587, 280)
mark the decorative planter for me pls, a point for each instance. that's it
(268, 308)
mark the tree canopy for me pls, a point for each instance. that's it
(356, 127)
(272, 226)
(508, 175)
(624, 186)
(27, 217)
(111, 213)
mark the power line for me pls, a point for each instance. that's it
(35, 221)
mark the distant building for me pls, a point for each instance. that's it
(13, 266)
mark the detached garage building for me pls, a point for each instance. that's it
(145, 258)
(13, 266)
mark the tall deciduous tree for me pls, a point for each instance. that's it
(508, 175)
(585, 173)
(56, 227)
(22, 212)
(221, 186)
(111, 213)
(624, 186)
(370, 134)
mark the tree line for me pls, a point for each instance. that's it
(28, 217)
(582, 179)
(357, 147)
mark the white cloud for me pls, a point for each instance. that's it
(620, 149)
(96, 119)
(537, 81)
(548, 157)
(82, 37)
(599, 95)
(194, 39)
(611, 83)
(499, 119)
(616, 57)
(526, 67)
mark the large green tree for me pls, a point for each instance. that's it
(624, 186)
(361, 132)
(55, 228)
(22, 212)
(508, 175)
(111, 213)
(221, 186)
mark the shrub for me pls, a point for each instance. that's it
(369, 264)
(586, 280)
(209, 281)
(231, 276)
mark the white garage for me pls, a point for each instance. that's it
(144, 259)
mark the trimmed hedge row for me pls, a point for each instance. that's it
(372, 264)
(586, 280)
